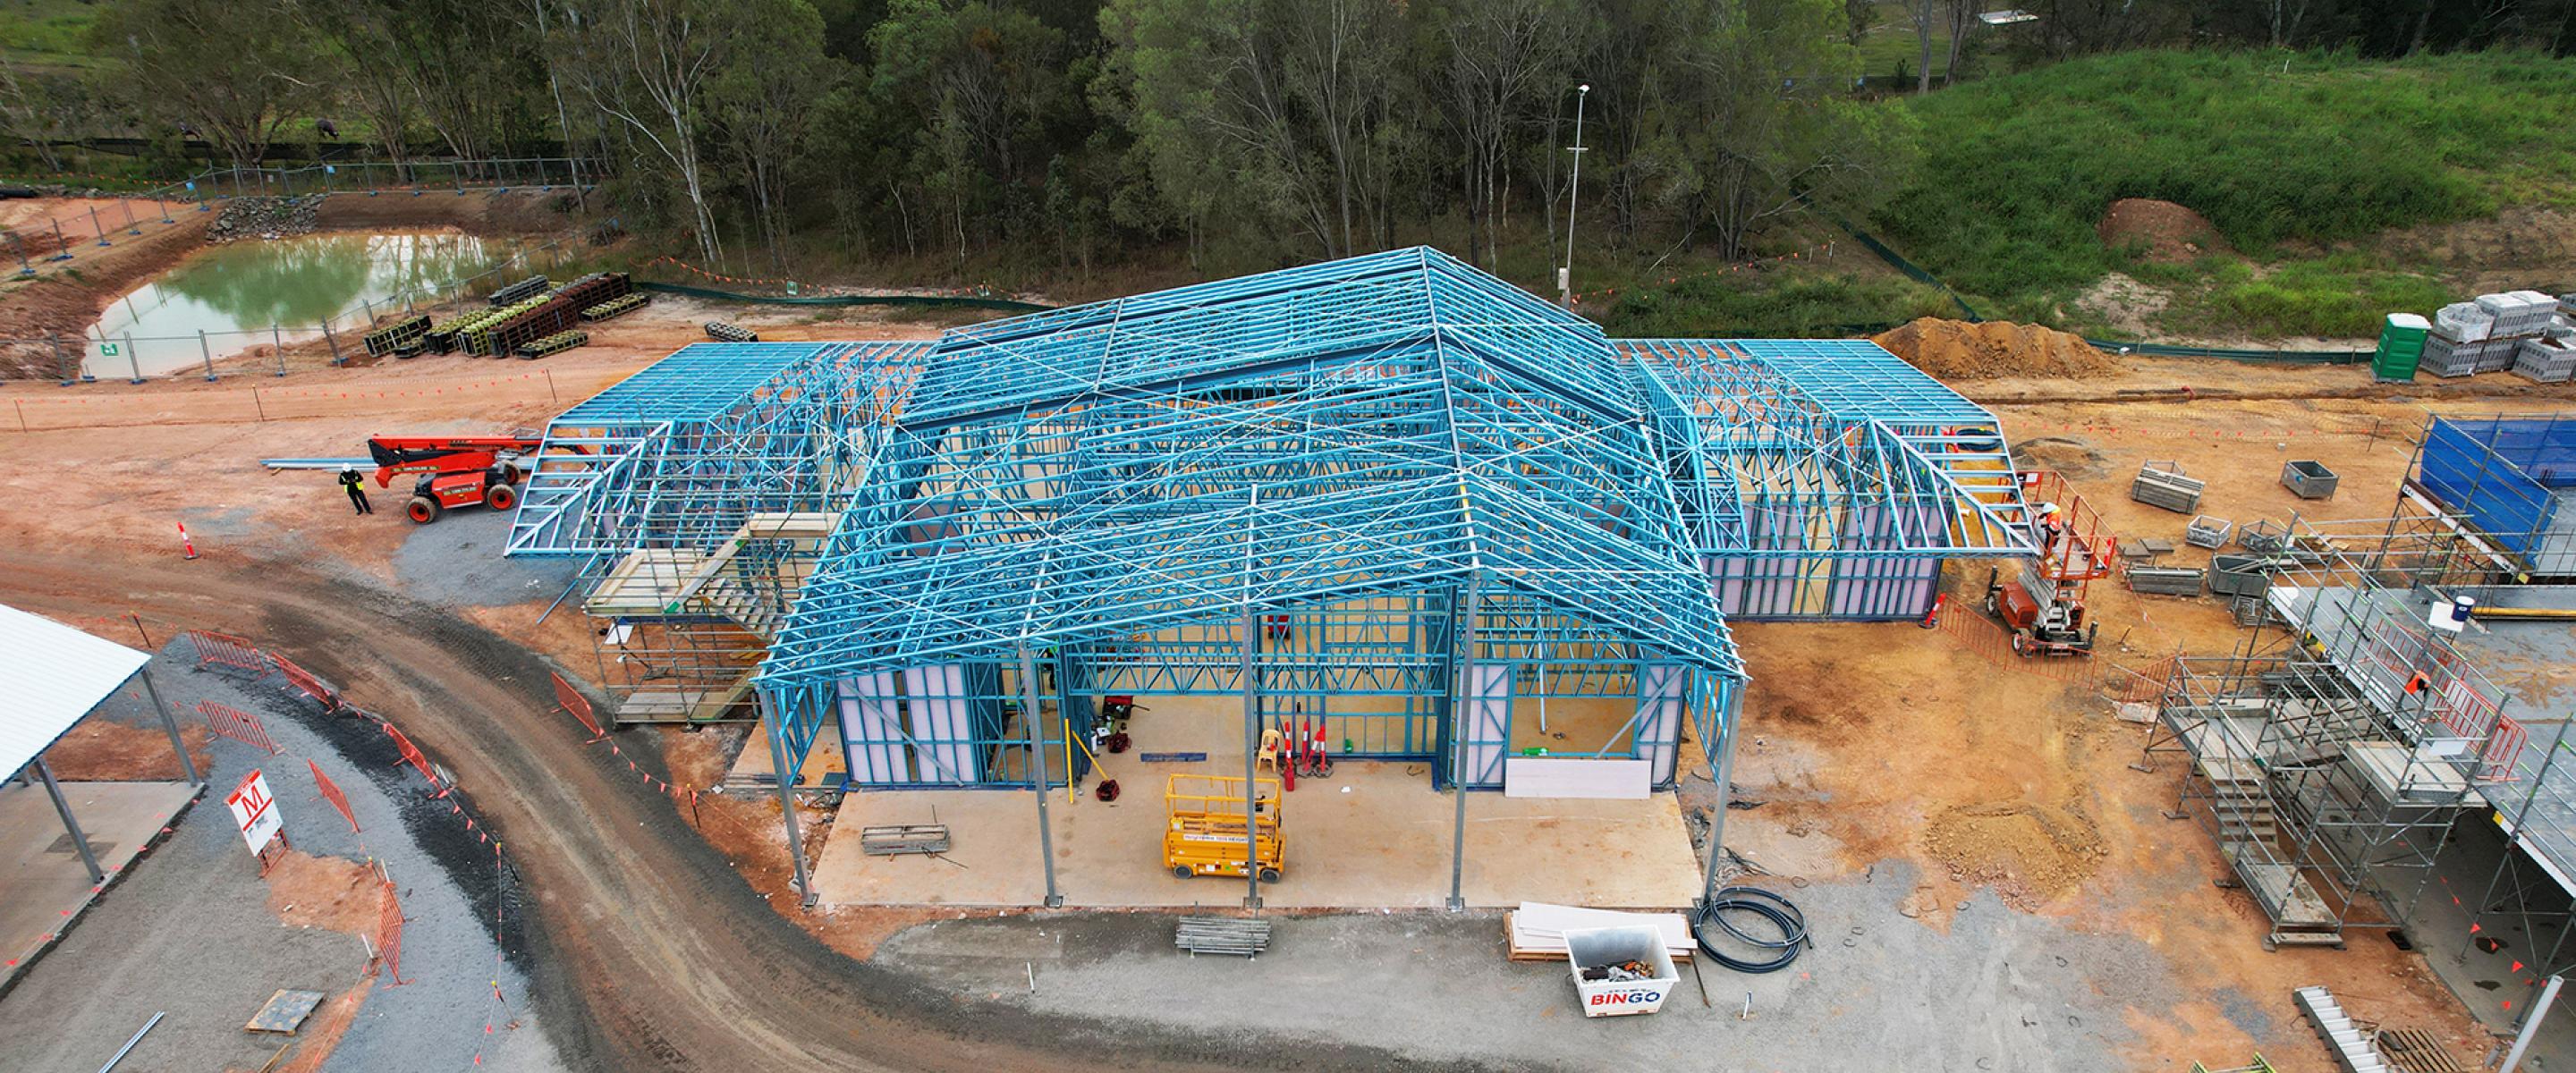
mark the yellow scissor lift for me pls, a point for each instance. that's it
(1203, 826)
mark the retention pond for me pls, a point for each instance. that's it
(231, 298)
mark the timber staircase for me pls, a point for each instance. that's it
(747, 583)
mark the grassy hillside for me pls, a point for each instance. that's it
(2017, 171)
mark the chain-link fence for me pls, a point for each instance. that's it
(276, 349)
(107, 219)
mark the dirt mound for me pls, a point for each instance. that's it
(2073, 456)
(1959, 350)
(2028, 853)
(2170, 233)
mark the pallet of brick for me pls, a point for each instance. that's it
(726, 333)
(2162, 484)
(2518, 313)
(2448, 356)
(617, 307)
(553, 344)
(2165, 580)
(2546, 360)
(2463, 322)
(393, 337)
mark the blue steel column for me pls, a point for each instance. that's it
(1462, 688)
(786, 793)
(1251, 745)
(1037, 770)
(1721, 765)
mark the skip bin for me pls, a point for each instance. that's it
(1602, 948)
(2309, 479)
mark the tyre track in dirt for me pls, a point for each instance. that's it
(648, 952)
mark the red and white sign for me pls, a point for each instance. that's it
(256, 811)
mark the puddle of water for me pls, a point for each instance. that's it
(235, 292)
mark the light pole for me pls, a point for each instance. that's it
(1573, 196)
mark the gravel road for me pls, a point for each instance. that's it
(190, 931)
(646, 951)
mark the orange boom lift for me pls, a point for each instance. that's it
(454, 471)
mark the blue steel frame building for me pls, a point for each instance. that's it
(1390, 492)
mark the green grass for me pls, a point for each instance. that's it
(1778, 304)
(56, 30)
(2339, 296)
(2017, 171)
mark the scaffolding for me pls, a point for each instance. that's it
(2330, 754)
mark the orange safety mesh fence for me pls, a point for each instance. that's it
(225, 650)
(568, 699)
(238, 725)
(331, 793)
(304, 680)
(389, 935)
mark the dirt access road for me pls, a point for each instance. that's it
(650, 951)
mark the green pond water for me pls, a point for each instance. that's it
(234, 293)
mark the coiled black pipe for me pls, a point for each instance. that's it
(1761, 903)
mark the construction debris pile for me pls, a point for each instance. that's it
(264, 218)
(2528, 332)
(1628, 971)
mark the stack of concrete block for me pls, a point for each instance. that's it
(2546, 359)
(2519, 313)
(2486, 334)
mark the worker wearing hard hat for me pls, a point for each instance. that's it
(357, 487)
(2051, 524)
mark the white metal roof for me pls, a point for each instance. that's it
(50, 676)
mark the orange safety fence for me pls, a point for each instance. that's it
(331, 793)
(411, 755)
(225, 650)
(304, 680)
(238, 725)
(389, 935)
(569, 699)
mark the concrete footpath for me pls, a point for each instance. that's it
(191, 933)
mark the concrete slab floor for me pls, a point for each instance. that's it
(1375, 834)
(43, 886)
(1997, 990)
(2497, 987)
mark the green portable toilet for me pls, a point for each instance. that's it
(2401, 345)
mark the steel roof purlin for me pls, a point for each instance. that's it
(1365, 427)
